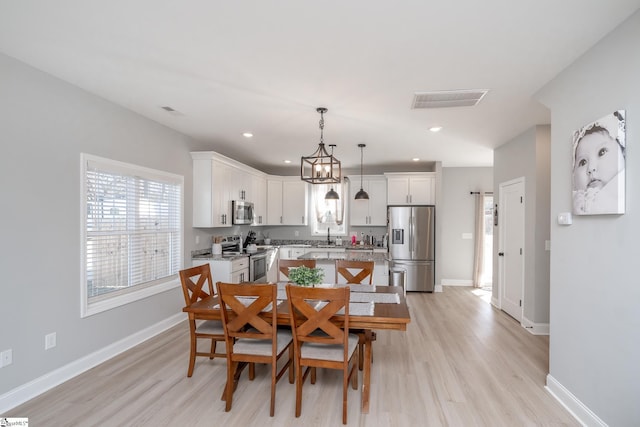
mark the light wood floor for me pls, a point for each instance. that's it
(460, 363)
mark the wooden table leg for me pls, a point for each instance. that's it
(366, 374)
(236, 378)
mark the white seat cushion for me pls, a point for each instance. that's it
(210, 327)
(333, 352)
(262, 347)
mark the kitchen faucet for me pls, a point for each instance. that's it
(328, 235)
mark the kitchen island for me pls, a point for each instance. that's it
(326, 260)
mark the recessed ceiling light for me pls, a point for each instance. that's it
(287, 161)
(415, 159)
(435, 128)
(247, 134)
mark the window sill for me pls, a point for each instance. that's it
(91, 308)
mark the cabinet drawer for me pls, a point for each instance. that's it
(240, 263)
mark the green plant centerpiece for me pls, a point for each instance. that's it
(305, 276)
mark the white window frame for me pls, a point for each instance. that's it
(318, 192)
(97, 304)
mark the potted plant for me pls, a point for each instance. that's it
(305, 276)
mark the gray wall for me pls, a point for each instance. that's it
(595, 296)
(527, 156)
(456, 216)
(44, 126)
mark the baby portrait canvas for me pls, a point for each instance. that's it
(599, 152)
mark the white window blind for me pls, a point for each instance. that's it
(132, 228)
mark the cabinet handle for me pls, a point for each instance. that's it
(280, 220)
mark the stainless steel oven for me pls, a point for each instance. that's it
(258, 266)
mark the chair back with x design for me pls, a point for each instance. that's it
(364, 271)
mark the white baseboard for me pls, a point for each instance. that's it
(575, 407)
(495, 302)
(456, 282)
(33, 388)
(535, 328)
(437, 288)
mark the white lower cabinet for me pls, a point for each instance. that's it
(293, 252)
(226, 270)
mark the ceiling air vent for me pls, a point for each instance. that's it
(448, 98)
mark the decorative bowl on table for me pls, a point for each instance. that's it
(305, 276)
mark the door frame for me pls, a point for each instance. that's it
(501, 241)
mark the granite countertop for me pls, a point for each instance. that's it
(321, 244)
(320, 255)
(206, 254)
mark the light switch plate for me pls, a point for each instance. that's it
(564, 218)
(467, 236)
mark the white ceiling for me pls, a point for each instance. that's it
(264, 66)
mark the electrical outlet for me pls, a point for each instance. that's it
(6, 358)
(197, 239)
(50, 341)
(296, 233)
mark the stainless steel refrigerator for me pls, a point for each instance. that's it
(412, 245)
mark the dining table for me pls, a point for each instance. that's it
(372, 307)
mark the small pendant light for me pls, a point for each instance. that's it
(332, 194)
(361, 195)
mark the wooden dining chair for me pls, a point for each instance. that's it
(197, 285)
(249, 317)
(285, 264)
(318, 341)
(356, 272)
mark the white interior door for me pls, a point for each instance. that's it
(511, 247)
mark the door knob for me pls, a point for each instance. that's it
(500, 253)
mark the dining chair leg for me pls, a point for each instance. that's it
(345, 384)
(299, 380)
(313, 375)
(354, 377)
(231, 368)
(274, 373)
(192, 351)
(291, 365)
(213, 348)
(252, 371)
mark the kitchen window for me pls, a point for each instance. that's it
(329, 214)
(132, 233)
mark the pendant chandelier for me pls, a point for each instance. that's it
(321, 167)
(361, 195)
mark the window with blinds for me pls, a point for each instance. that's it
(132, 232)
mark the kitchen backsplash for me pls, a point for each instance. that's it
(286, 235)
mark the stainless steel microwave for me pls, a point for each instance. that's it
(242, 212)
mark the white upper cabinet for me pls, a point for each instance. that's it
(374, 210)
(274, 201)
(286, 201)
(411, 188)
(217, 181)
(259, 199)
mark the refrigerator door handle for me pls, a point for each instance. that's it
(412, 231)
